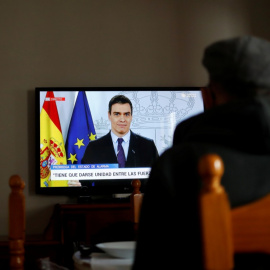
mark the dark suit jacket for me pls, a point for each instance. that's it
(142, 151)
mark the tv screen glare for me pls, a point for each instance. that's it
(70, 118)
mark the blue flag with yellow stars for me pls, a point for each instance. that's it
(81, 130)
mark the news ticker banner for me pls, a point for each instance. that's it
(96, 172)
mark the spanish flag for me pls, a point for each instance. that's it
(52, 147)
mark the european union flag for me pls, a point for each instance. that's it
(81, 130)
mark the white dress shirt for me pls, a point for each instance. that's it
(125, 143)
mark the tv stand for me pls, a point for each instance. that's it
(92, 221)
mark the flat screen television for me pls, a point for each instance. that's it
(70, 118)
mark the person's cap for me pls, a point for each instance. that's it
(244, 60)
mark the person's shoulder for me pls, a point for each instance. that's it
(186, 124)
(100, 140)
(140, 137)
(190, 121)
(212, 115)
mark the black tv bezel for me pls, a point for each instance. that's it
(106, 187)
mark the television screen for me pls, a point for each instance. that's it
(78, 130)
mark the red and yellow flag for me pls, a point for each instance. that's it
(52, 147)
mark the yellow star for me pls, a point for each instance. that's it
(79, 143)
(92, 137)
(73, 158)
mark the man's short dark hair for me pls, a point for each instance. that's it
(119, 99)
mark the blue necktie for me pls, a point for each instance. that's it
(120, 153)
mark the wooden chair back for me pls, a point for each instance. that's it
(225, 231)
(251, 227)
(16, 222)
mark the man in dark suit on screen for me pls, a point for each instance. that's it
(121, 145)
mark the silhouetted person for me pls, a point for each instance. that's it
(237, 127)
